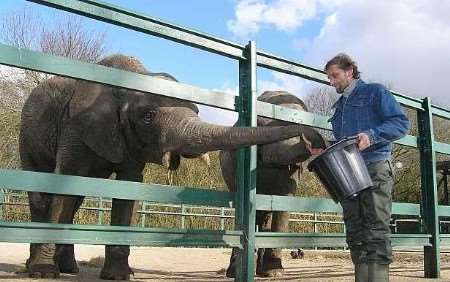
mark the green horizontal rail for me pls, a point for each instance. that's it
(296, 240)
(441, 147)
(444, 239)
(443, 210)
(95, 187)
(405, 209)
(408, 101)
(441, 112)
(34, 232)
(303, 204)
(291, 115)
(408, 140)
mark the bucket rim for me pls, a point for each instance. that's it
(342, 143)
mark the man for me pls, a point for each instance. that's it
(369, 111)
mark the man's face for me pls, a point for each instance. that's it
(339, 78)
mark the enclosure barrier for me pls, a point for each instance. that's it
(245, 201)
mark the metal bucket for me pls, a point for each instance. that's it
(342, 170)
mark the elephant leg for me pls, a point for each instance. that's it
(231, 270)
(264, 223)
(272, 257)
(43, 265)
(116, 265)
(39, 203)
(65, 256)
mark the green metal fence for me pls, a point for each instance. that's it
(246, 202)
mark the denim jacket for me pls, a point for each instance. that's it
(372, 109)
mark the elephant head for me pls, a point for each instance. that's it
(154, 128)
(292, 150)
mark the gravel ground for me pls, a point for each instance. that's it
(180, 264)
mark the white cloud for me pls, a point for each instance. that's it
(285, 15)
(292, 84)
(404, 44)
(219, 116)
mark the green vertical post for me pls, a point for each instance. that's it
(429, 190)
(246, 166)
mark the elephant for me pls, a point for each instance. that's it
(278, 171)
(75, 127)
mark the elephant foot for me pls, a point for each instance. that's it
(272, 267)
(116, 274)
(272, 273)
(231, 271)
(65, 258)
(260, 262)
(116, 265)
(43, 271)
(70, 267)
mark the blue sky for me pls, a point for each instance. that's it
(404, 44)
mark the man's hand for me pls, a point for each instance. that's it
(308, 145)
(363, 141)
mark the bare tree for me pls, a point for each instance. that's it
(66, 37)
(24, 28)
(321, 100)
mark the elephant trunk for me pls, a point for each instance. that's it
(194, 136)
(286, 152)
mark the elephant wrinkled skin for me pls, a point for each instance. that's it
(278, 171)
(82, 128)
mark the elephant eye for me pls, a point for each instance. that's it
(149, 116)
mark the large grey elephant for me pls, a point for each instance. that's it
(278, 171)
(81, 128)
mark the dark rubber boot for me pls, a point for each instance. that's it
(361, 272)
(378, 272)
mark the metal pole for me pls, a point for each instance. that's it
(246, 166)
(429, 207)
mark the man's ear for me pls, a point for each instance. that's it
(98, 125)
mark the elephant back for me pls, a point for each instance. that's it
(129, 63)
(280, 98)
(123, 62)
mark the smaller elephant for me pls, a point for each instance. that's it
(279, 170)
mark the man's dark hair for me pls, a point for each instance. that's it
(344, 62)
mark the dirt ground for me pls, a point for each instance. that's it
(179, 264)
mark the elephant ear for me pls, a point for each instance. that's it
(94, 115)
